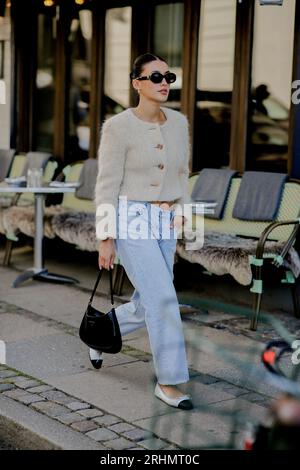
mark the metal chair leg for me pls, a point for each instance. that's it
(7, 253)
(256, 310)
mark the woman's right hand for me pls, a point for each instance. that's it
(107, 253)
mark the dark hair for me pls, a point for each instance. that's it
(142, 60)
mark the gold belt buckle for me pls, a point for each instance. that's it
(165, 205)
(162, 203)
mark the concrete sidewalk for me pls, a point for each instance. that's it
(49, 389)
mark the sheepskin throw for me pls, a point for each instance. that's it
(229, 254)
(17, 219)
(77, 228)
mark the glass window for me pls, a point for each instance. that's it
(5, 78)
(168, 43)
(214, 84)
(117, 60)
(45, 82)
(272, 64)
(80, 43)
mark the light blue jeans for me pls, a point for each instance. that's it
(148, 262)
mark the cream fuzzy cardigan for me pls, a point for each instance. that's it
(142, 160)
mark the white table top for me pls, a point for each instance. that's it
(41, 190)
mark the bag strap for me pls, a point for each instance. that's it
(110, 286)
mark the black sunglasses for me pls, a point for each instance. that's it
(157, 77)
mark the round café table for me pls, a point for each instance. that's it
(38, 271)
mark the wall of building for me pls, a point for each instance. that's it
(5, 86)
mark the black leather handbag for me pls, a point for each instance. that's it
(100, 330)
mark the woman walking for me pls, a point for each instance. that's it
(143, 175)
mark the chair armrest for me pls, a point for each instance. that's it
(264, 236)
(257, 273)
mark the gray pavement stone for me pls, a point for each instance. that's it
(57, 396)
(50, 355)
(40, 389)
(120, 444)
(90, 413)
(208, 316)
(84, 426)
(121, 427)
(205, 379)
(17, 325)
(16, 379)
(8, 379)
(154, 444)
(4, 387)
(229, 388)
(140, 355)
(78, 405)
(102, 435)
(6, 373)
(50, 409)
(261, 400)
(15, 394)
(28, 384)
(171, 447)
(137, 435)
(107, 420)
(30, 398)
(70, 418)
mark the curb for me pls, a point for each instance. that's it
(37, 416)
(25, 429)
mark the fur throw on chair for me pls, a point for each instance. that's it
(77, 228)
(21, 219)
(229, 254)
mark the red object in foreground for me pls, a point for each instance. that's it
(248, 444)
(269, 357)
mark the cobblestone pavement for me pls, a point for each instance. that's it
(111, 431)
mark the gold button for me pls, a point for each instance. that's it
(161, 166)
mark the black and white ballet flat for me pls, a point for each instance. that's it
(96, 358)
(183, 402)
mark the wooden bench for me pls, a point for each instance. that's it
(242, 248)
